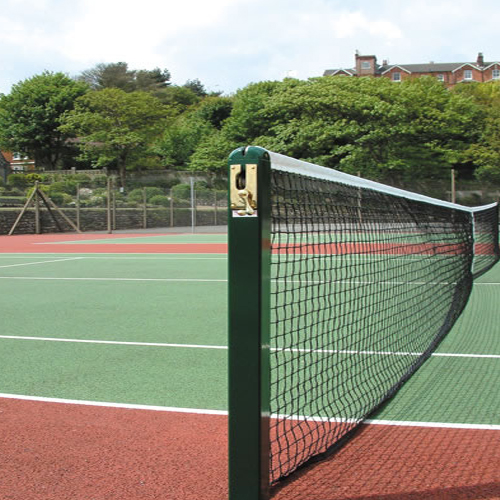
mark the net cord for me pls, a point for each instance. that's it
(291, 165)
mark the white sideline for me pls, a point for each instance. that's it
(42, 262)
(130, 406)
(275, 349)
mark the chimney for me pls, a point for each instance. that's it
(480, 59)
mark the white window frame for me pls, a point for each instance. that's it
(468, 74)
(495, 74)
(366, 65)
(396, 76)
(440, 77)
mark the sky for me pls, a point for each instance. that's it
(227, 44)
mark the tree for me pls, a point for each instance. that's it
(360, 125)
(116, 129)
(30, 116)
(118, 75)
(182, 137)
(197, 87)
(485, 152)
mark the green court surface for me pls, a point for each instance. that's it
(151, 329)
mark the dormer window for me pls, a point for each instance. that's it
(396, 76)
(468, 74)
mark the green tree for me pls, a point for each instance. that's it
(116, 129)
(118, 75)
(183, 136)
(485, 152)
(30, 116)
(367, 125)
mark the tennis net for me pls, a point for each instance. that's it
(360, 282)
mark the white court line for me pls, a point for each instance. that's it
(400, 423)
(297, 282)
(127, 406)
(41, 262)
(198, 411)
(174, 280)
(117, 257)
(114, 342)
(223, 347)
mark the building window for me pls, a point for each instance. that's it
(366, 65)
(468, 74)
(396, 77)
(440, 77)
(495, 74)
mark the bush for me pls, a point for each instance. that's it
(100, 180)
(32, 178)
(66, 186)
(181, 191)
(81, 178)
(160, 200)
(17, 181)
(60, 198)
(137, 195)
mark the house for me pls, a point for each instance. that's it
(17, 162)
(4, 168)
(448, 73)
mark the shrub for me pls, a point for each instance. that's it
(66, 186)
(60, 198)
(137, 195)
(160, 200)
(181, 191)
(18, 181)
(32, 178)
(81, 178)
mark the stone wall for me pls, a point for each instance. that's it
(96, 219)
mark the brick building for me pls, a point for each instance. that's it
(17, 162)
(448, 73)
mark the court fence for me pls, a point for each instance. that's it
(113, 210)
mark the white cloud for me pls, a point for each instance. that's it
(350, 24)
(114, 30)
(229, 43)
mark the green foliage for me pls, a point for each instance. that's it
(181, 191)
(17, 181)
(214, 111)
(116, 128)
(160, 200)
(30, 114)
(485, 152)
(137, 195)
(196, 87)
(118, 75)
(359, 125)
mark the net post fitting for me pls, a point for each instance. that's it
(243, 183)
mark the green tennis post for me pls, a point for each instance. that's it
(249, 323)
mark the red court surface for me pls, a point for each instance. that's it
(54, 451)
(51, 243)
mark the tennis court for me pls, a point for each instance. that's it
(114, 380)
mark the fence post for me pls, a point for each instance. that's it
(37, 210)
(109, 206)
(193, 214)
(171, 209)
(215, 208)
(145, 209)
(78, 206)
(453, 187)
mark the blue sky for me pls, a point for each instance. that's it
(230, 43)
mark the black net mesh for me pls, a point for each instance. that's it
(364, 286)
(486, 251)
